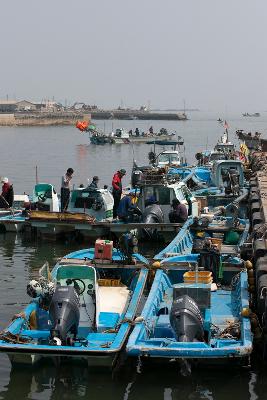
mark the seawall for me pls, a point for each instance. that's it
(42, 119)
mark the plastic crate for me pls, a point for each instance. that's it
(109, 282)
(217, 241)
(198, 276)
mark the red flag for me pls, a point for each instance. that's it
(225, 125)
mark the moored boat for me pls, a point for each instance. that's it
(256, 114)
(194, 311)
(83, 310)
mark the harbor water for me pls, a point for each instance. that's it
(45, 153)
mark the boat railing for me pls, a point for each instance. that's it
(181, 244)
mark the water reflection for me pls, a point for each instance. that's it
(63, 382)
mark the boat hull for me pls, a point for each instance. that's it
(97, 360)
(154, 338)
(101, 346)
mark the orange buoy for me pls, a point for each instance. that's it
(82, 125)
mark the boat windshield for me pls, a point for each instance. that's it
(217, 156)
(169, 158)
(85, 198)
(226, 148)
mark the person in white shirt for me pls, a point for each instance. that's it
(65, 189)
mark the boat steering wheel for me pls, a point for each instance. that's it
(41, 197)
(80, 289)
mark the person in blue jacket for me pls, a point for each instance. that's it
(126, 207)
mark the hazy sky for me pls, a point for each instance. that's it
(211, 53)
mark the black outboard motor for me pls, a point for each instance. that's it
(64, 314)
(234, 178)
(186, 320)
(152, 214)
(136, 177)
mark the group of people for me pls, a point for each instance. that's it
(137, 132)
(121, 204)
(126, 206)
(65, 187)
(123, 209)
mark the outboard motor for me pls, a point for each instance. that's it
(186, 320)
(136, 177)
(152, 214)
(234, 178)
(64, 314)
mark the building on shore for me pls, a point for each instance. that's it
(13, 106)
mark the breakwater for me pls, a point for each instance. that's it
(71, 117)
(137, 114)
(42, 118)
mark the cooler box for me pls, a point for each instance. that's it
(103, 249)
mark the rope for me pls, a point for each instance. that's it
(9, 337)
(227, 333)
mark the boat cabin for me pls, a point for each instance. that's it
(45, 197)
(97, 203)
(168, 158)
(101, 301)
(221, 170)
(226, 148)
(164, 194)
(121, 133)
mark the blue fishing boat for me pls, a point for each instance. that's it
(83, 310)
(229, 234)
(227, 188)
(188, 317)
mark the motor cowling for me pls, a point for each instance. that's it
(136, 177)
(153, 214)
(64, 314)
(186, 320)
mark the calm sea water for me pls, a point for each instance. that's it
(52, 150)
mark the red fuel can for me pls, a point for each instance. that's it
(103, 249)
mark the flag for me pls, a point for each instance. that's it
(244, 149)
(225, 125)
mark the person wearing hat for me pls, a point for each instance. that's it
(127, 208)
(179, 212)
(65, 189)
(7, 195)
(117, 189)
(94, 183)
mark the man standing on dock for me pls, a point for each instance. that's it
(117, 189)
(65, 189)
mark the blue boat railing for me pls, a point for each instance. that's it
(181, 244)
